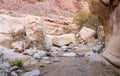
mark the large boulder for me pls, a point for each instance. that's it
(65, 39)
(87, 33)
(22, 32)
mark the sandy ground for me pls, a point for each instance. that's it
(73, 66)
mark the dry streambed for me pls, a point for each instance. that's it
(28, 50)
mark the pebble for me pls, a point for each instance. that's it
(64, 48)
(48, 54)
(81, 55)
(36, 56)
(98, 48)
(14, 74)
(14, 68)
(7, 70)
(19, 71)
(71, 54)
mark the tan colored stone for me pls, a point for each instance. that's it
(87, 33)
(64, 39)
(27, 29)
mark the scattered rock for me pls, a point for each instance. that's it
(41, 52)
(32, 73)
(98, 48)
(14, 68)
(19, 71)
(14, 74)
(30, 52)
(7, 70)
(91, 53)
(18, 45)
(46, 58)
(65, 39)
(87, 33)
(4, 65)
(30, 62)
(81, 55)
(36, 56)
(64, 48)
(11, 55)
(48, 54)
(69, 54)
(55, 49)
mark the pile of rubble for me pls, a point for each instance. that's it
(24, 38)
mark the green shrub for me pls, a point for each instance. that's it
(37, 14)
(26, 70)
(86, 19)
(17, 63)
(42, 66)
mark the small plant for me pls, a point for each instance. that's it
(17, 63)
(37, 14)
(42, 66)
(86, 19)
(116, 74)
(26, 70)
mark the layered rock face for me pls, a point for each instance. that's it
(112, 52)
(22, 32)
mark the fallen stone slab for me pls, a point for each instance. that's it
(87, 33)
(65, 39)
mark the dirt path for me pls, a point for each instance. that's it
(77, 67)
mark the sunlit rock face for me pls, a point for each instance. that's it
(22, 32)
(112, 52)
